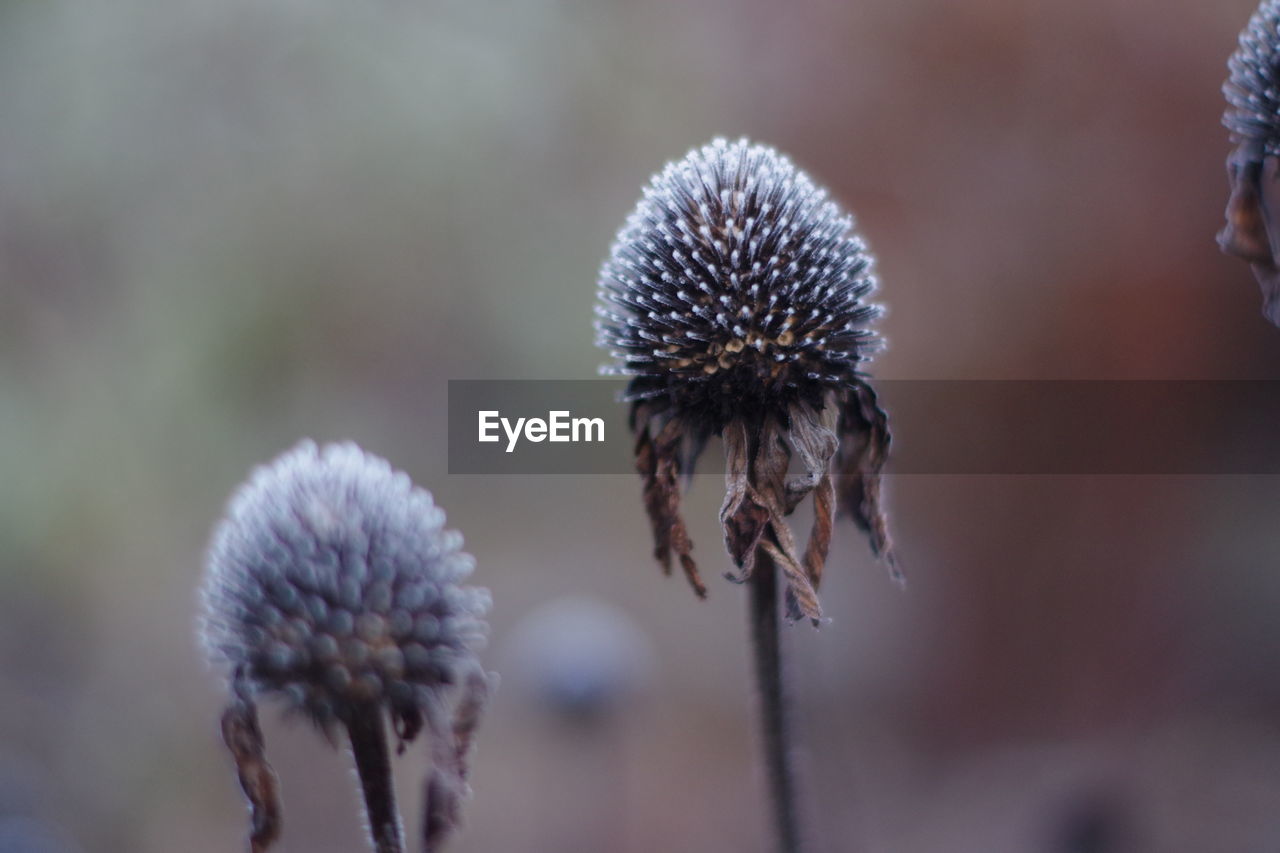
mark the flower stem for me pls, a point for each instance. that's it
(773, 706)
(373, 765)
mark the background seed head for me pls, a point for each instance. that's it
(736, 282)
(1252, 90)
(332, 582)
(581, 659)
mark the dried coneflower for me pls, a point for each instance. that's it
(332, 584)
(735, 299)
(1252, 90)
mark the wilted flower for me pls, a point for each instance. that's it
(332, 584)
(734, 298)
(1252, 231)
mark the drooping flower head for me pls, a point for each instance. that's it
(735, 297)
(1252, 230)
(333, 584)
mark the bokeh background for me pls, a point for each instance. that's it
(227, 225)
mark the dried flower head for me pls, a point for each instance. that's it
(1253, 89)
(333, 584)
(735, 299)
(1252, 230)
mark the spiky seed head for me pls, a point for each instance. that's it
(1253, 88)
(332, 582)
(736, 283)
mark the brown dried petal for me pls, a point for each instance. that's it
(815, 553)
(770, 469)
(864, 449)
(1252, 230)
(742, 514)
(658, 462)
(261, 787)
(801, 599)
(446, 785)
(1245, 233)
(813, 439)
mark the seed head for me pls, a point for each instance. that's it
(333, 583)
(734, 298)
(1253, 89)
(736, 284)
(1253, 116)
(581, 659)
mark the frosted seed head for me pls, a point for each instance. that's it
(1253, 87)
(325, 562)
(732, 283)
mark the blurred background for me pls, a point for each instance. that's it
(227, 225)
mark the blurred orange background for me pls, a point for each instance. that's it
(225, 226)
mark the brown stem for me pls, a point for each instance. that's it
(774, 727)
(373, 764)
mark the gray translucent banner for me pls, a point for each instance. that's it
(579, 427)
